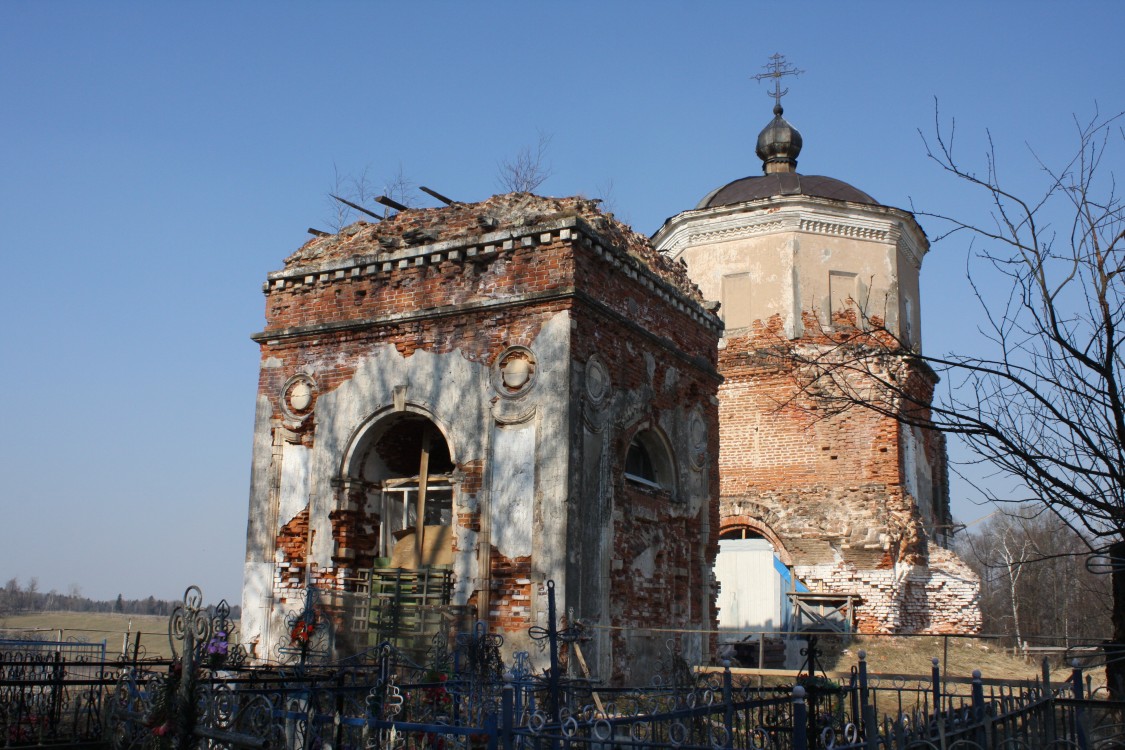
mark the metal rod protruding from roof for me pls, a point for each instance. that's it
(358, 207)
(436, 194)
(391, 203)
(318, 233)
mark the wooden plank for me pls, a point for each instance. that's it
(420, 510)
(586, 674)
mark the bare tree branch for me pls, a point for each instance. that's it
(1046, 406)
(527, 170)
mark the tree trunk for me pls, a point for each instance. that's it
(1115, 649)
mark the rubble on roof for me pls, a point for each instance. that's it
(425, 226)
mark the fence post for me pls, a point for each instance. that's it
(1076, 681)
(553, 639)
(867, 711)
(935, 674)
(978, 695)
(57, 688)
(728, 703)
(491, 730)
(800, 719)
(984, 737)
(506, 718)
(1079, 711)
(1052, 728)
(863, 695)
(853, 697)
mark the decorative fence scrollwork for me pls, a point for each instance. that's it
(463, 696)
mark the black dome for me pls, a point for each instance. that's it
(784, 183)
(779, 143)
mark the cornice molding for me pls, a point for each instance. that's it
(808, 214)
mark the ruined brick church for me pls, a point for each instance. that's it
(524, 393)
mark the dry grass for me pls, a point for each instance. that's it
(957, 657)
(910, 655)
(93, 627)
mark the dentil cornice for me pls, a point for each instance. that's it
(806, 214)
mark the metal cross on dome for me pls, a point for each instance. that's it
(778, 68)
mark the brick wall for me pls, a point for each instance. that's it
(830, 485)
(473, 280)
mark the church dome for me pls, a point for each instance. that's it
(784, 183)
(779, 144)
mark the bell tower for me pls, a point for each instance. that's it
(852, 505)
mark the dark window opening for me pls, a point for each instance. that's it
(638, 464)
(648, 464)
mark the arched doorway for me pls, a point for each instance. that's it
(754, 582)
(405, 466)
(399, 469)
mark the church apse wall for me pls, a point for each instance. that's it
(855, 503)
(559, 378)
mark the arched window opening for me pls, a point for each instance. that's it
(407, 461)
(647, 462)
(740, 532)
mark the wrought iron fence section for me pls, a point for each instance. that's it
(460, 694)
(50, 691)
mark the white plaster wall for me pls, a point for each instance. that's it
(513, 489)
(553, 453)
(789, 272)
(260, 531)
(451, 389)
(257, 602)
(917, 472)
(457, 394)
(788, 246)
(294, 493)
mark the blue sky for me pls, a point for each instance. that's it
(158, 159)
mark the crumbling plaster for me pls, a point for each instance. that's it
(854, 499)
(583, 295)
(789, 245)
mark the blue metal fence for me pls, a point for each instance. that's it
(463, 697)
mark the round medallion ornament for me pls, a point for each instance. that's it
(514, 372)
(698, 435)
(597, 380)
(297, 397)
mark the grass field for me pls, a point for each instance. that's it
(914, 655)
(957, 657)
(94, 627)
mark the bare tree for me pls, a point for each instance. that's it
(401, 188)
(360, 189)
(356, 189)
(1027, 557)
(1045, 405)
(527, 171)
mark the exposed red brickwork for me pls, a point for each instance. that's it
(463, 222)
(663, 550)
(291, 541)
(830, 485)
(476, 280)
(657, 563)
(509, 604)
(474, 476)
